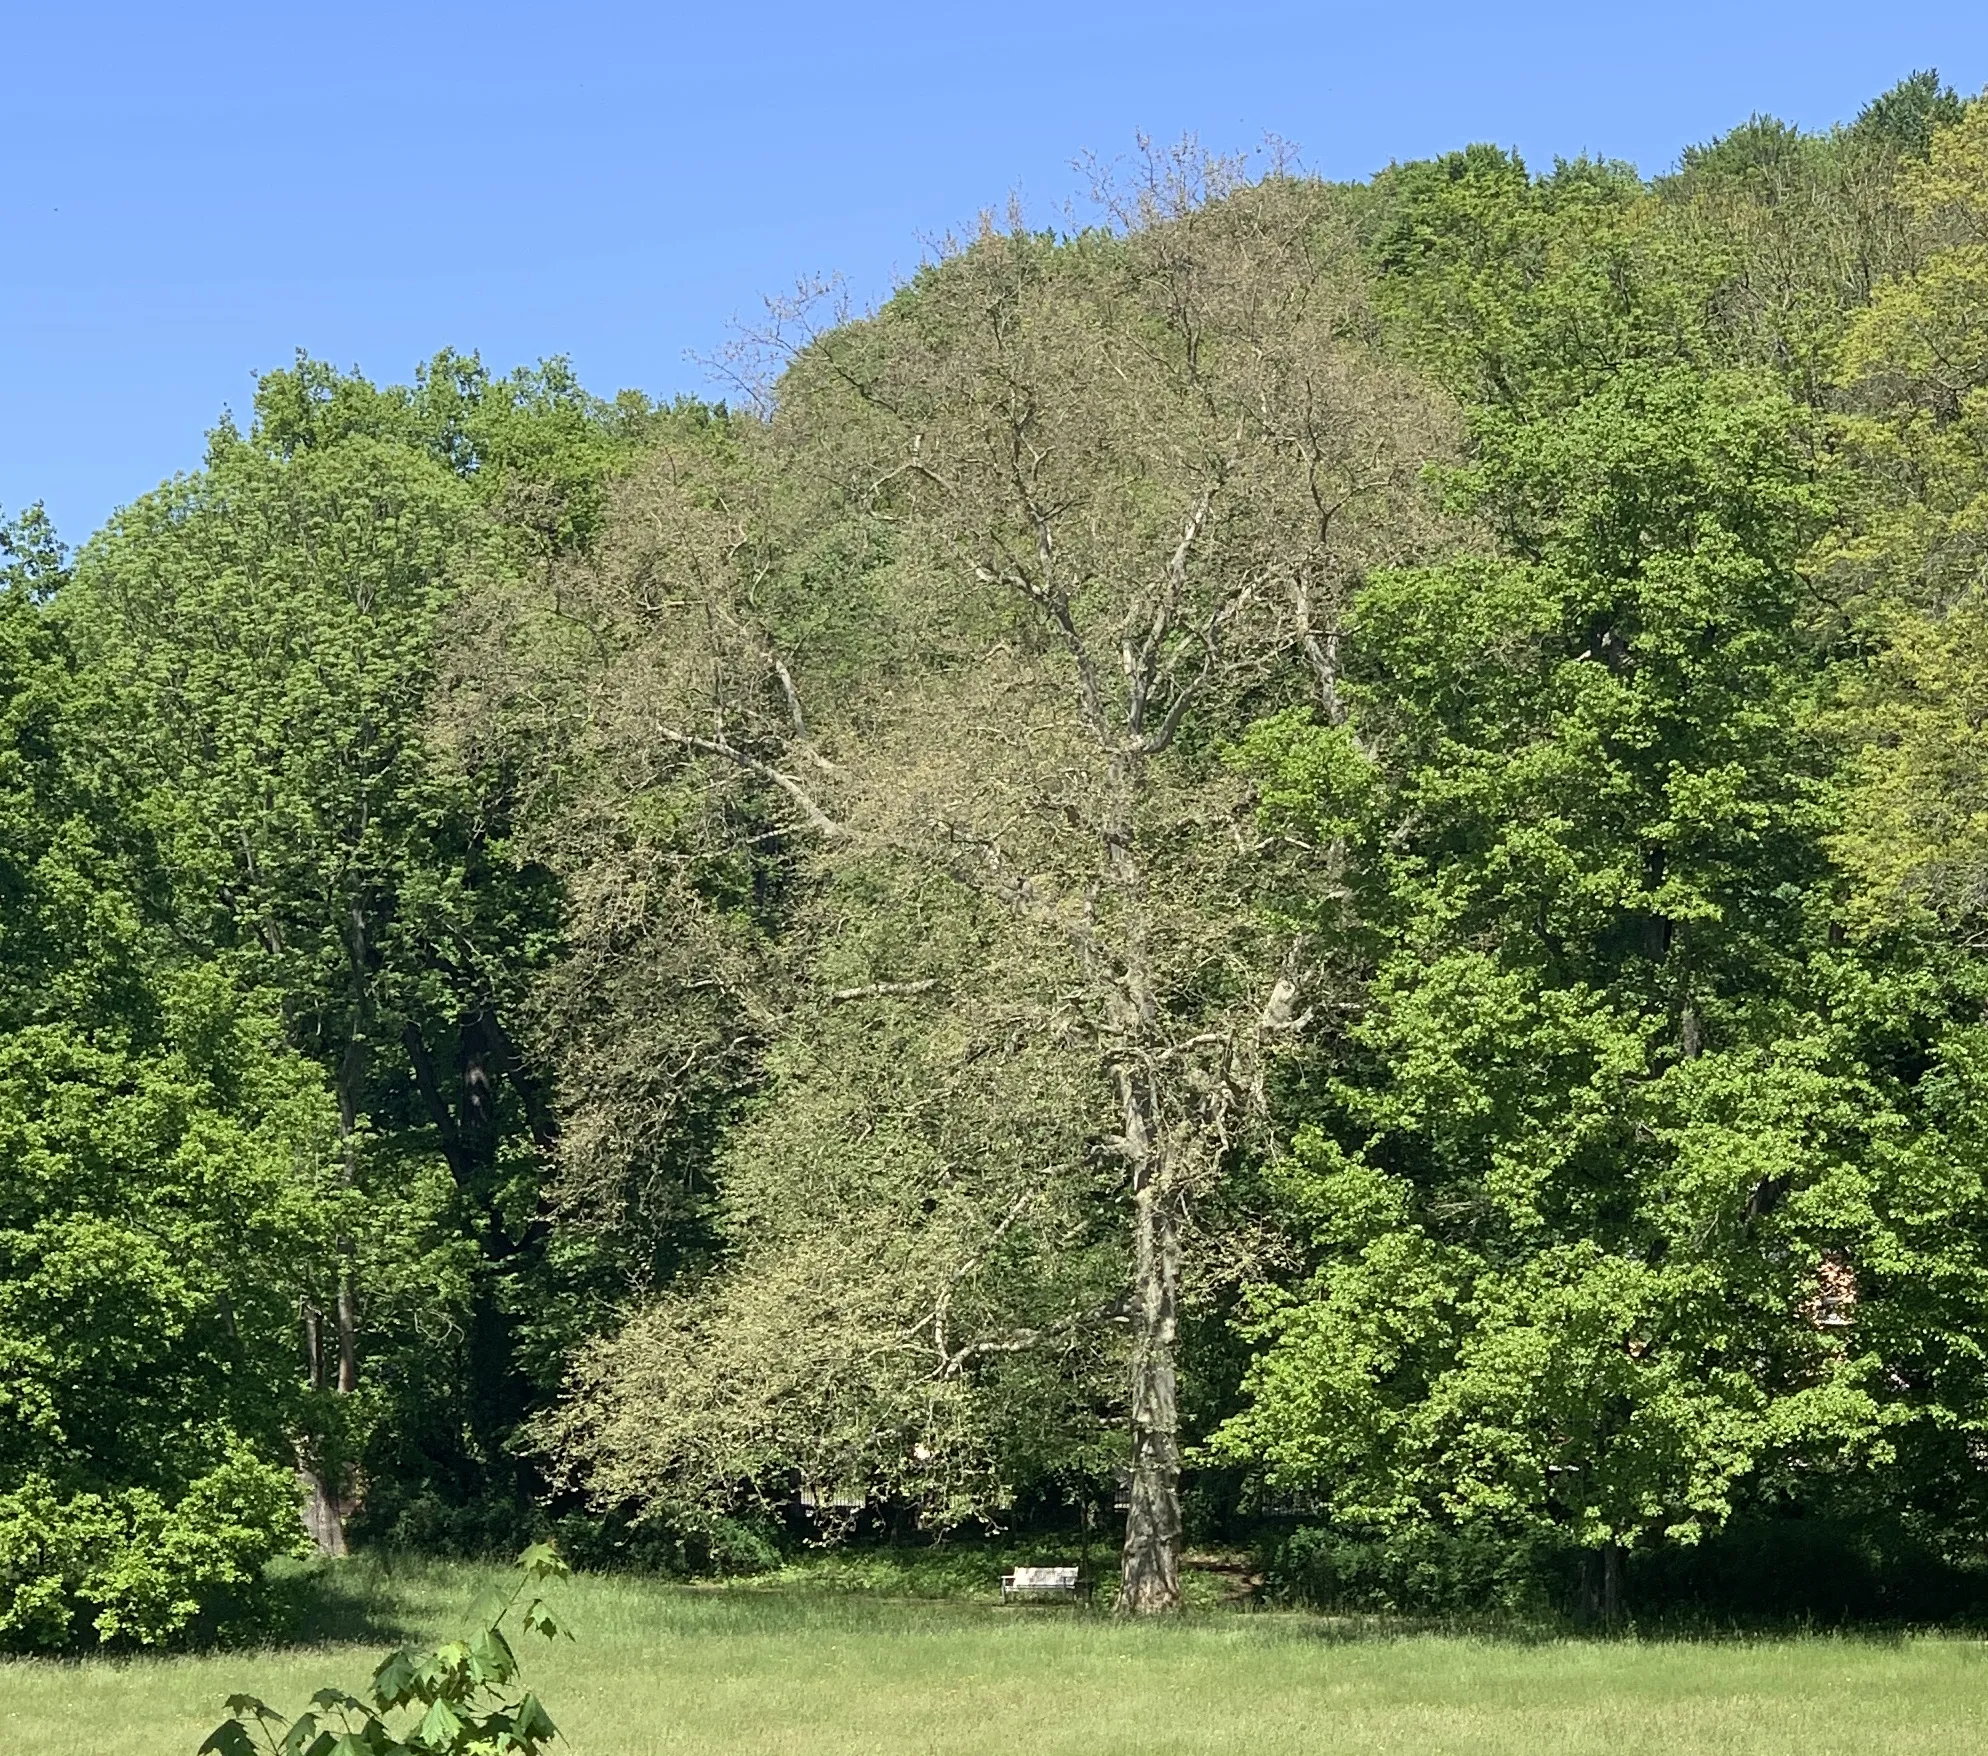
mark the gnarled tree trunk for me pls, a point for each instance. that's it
(1151, 1577)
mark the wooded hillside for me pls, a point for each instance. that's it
(1319, 853)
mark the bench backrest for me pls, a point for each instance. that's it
(1045, 1579)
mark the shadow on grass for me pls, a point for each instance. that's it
(351, 1603)
(1667, 1629)
(383, 1601)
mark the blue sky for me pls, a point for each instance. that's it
(190, 193)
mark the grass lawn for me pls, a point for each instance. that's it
(806, 1668)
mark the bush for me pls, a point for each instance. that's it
(1765, 1568)
(1426, 1571)
(126, 1569)
(696, 1546)
(423, 1518)
(419, 1518)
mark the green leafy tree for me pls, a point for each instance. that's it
(270, 633)
(164, 1180)
(1518, 292)
(1619, 1141)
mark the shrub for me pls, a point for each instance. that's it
(1422, 1571)
(124, 1568)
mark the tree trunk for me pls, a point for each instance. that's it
(1600, 1603)
(324, 1522)
(1151, 1579)
(324, 1514)
(326, 1483)
(348, 1329)
(328, 1500)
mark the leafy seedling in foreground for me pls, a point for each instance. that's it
(457, 1699)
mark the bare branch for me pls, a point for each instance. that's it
(819, 819)
(877, 990)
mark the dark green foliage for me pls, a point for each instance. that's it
(1905, 119)
(272, 633)
(1427, 1570)
(1761, 1570)
(1637, 1185)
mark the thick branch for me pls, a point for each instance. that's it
(822, 823)
(436, 1105)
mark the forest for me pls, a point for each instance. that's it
(1307, 865)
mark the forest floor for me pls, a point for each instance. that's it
(831, 1665)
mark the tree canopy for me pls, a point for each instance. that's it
(1313, 846)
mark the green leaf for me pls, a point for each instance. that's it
(440, 1725)
(543, 1561)
(337, 1698)
(540, 1620)
(491, 1659)
(229, 1738)
(393, 1680)
(533, 1722)
(489, 1607)
(451, 1662)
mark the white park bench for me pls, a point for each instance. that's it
(1044, 1582)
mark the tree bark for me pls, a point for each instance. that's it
(328, 1501)
(324, 1521)
(348, 1330)
(1600, 1603)
(1150, 1581)
(324, 1514)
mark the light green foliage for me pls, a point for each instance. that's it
(159, 1208)
(458, 1700)
(1524, 293)
(1012, 1021)
(1519, 292)
(535, 447)
(880, 1261)
(910, 1262)
(1910, 556)
(127, 1568)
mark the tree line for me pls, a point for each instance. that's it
(1321, 841)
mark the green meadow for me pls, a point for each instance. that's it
(814, 1665)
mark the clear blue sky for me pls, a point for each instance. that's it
(190, 192)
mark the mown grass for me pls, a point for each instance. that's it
(798, 1667)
